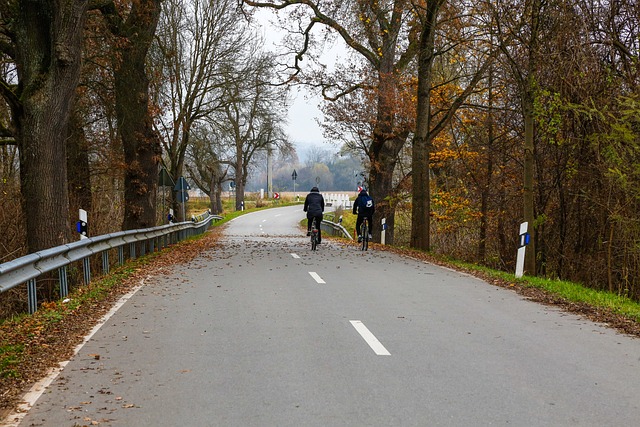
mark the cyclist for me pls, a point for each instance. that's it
(364, 207)
(314, 207)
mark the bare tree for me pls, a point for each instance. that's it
(205, 167)
(252, 117)
(196, 39)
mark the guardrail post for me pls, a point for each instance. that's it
(64, 284)
(120, 255)
(32, 297)
(132, 250)
(87, 270)
(152, 245)
(105, 262)
(143, 248)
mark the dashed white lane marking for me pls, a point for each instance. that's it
(296, 256)
(373, 342)
(316, 277)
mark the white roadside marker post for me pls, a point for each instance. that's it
(82, 225)
(522, 246)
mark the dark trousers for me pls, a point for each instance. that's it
(318, 221)
(359, 223)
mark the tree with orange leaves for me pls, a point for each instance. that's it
(430, 122)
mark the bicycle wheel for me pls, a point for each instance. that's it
(365, 236)
(314, 236)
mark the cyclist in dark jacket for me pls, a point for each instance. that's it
(314, 207)
(364, 207)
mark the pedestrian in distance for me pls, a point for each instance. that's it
(314, 207)
(364, 208)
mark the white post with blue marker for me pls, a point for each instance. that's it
(522, 246)
(82, 225)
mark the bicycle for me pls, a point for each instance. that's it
(364, 232)
(314, 235)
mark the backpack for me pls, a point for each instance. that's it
(366, 203)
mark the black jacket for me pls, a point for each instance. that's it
(314, 203)
(359, 205)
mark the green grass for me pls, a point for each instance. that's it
(10, 355)
(569, 291)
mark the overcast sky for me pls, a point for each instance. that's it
(302, 127)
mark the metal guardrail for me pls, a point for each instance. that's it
(334, 229)
(28, 268)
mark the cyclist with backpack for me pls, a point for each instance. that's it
(364, 208)
(314, 207)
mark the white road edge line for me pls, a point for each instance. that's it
(373, 342)
(316, 277)
(296, 256)
(29, 399)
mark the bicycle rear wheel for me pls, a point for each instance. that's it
(314, 235)
(365, 236)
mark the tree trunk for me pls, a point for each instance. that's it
(48, 41)
(383, 153)
(383, 163)
(215, 192)
(176, 160)
(485, 186)
(421, 206)
(528, 97)
(140, 141)
(240, 179)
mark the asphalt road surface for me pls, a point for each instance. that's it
(265, 332)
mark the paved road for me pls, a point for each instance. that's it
(263, 332)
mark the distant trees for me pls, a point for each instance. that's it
(323, 168)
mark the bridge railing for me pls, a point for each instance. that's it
(28, 268)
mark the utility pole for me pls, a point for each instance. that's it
(269, 172)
